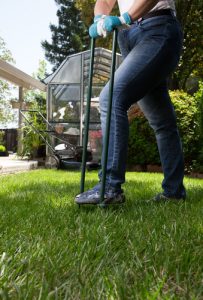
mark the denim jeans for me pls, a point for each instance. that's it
(151, 51)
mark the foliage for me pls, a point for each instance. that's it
(142, 148)
(186, 108)
(87, 12)
(199, 98)
(190, 15)
(142, 143)
(50, 249)
(5, 88)
(2, 134)
(37, 96)
(69, 37)
(32, 142)
(2, 148)
(5, 54)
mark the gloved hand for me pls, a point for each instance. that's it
(112, 22)
(96, 29)
(103, 24)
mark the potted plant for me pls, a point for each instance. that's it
(3, 151)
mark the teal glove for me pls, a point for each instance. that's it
(112, 22)
(93, 31)
(103, 24)
(97, 18)
(96, 29)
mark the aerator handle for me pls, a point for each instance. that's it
(108, 120)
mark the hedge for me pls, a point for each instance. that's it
(142, 148)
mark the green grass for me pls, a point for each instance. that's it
(51, 249)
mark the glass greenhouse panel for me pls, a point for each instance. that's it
(67, 131)
(65, 102)
(66, 112)
(64, 92)
(69, 71)
(94, 111)
(95, 143)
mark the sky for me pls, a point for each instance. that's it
(23, 25)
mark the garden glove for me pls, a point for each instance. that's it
(97, 29)
(103, 24)
(112, 22)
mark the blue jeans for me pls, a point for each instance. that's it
(151, 51)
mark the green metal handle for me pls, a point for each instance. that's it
(87, 117)
(108, 118)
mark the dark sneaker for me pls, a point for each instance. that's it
(162, 198)
(93, 197)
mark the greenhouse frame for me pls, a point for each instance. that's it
(67, 90)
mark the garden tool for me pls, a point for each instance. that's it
(108, 119)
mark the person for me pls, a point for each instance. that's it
(150, 41)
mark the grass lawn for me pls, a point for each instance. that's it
(51, 249)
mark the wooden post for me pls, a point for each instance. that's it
(20, 121)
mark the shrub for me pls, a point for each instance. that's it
(186, 108)
(2, 148)
(32, 142)
(198, 163)
(142, 143)
(142, 147)
(2, 134)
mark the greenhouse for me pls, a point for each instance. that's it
(67, 94)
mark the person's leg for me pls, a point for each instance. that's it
(159, 111)
(152, 59)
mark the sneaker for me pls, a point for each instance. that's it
(93, 197)
(162, 198)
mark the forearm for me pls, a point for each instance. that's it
(104, 7)
(104, 24)
(140, 8)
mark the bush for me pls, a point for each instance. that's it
(142, 147)
(2, 148)
(2, 134)
(142, 143)
(32, 142)
(186, 108)
(198, 163)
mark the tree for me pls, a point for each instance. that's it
(32, 142)
(6, 113)
(69, 37)
(87, 13)
(190, 15)
(37, 97)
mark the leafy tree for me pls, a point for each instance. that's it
(5, 88)
(87, 13)
(190, 15)
(69, 36)
(5, 54)
(37, 97)
(32, 142)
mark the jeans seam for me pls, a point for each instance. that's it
(114, 152)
